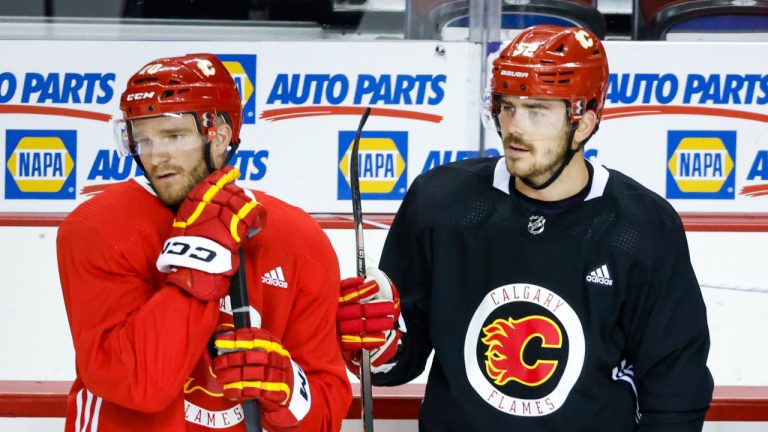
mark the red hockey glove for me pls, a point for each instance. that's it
(252, 364)
(367, 317)
(201, 255)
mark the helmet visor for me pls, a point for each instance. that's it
(532, 113)
(120, 131)
(146, 136)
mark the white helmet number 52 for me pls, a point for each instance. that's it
(525, 49)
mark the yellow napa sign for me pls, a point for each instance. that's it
(241, 77)
(40, 164)
(701, 165)
(381, 165)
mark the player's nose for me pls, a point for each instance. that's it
(159, 154)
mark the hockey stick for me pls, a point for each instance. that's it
(357, 213)
(241, 315)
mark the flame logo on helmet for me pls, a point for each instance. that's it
(584, 39)
(206, 67)
(507, 341)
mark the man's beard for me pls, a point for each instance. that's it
(174, 197)
(195, 177)
(543, 164)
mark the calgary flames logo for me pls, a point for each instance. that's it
(507, 340)
(524, 350)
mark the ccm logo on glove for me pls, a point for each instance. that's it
(194, 252)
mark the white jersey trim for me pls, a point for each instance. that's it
(600, 177)
(143, 182)
(625, 372)
(501, 176)
(84, 419)
(599, 180)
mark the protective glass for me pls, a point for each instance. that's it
(531, 113)
(120, 131)
(164, 133)
(486, 116)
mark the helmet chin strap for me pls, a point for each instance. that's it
(209, 161)
(141, 165)
(569, 152)
(207, 157)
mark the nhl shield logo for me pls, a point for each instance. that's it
(536, 224)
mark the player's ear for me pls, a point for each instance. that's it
(586, 126)
(220, 144)
(221, 140)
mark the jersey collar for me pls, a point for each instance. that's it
(600, 175)
(144, 183)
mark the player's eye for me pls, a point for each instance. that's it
(142, 141)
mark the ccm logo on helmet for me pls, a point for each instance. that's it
(139, 96)
(514, 74)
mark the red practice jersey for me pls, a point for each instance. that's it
(141, 344)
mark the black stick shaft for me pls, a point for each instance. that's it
(357, 213)
(241, 315)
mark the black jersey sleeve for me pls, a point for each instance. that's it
(405, 259)
(667, 336)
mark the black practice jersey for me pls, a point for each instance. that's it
(583, 315)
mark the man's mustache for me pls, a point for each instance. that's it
(518, 141)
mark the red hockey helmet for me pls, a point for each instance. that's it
(547, 61)
(198, 84)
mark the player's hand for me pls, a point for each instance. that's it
(367, 318)
(214, 219)
(252, 364)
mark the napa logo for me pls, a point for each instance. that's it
(40, 164)
(381, 164)
(242, 67)
(701, 164)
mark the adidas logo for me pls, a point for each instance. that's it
(275, 277)
(600, 275)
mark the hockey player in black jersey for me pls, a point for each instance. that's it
(557, 294)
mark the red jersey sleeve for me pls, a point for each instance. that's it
(135, 339)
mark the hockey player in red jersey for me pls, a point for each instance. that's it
(145, 269)
(555, 293)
